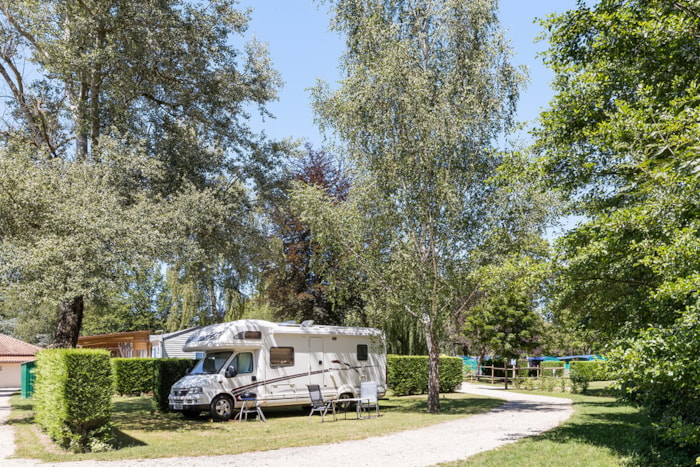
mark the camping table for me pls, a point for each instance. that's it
(355, 400)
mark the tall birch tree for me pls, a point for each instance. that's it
(428, 88)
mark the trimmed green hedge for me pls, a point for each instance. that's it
(582, 373)
(133, 376)
(73, 398)
(166, 371)
(409, 374)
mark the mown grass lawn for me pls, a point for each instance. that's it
(144, 434)
(602, 432)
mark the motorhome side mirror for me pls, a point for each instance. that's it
(231, 372)
(188, 371)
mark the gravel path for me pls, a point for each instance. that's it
(522, 415)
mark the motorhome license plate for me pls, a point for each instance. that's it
(177, 406)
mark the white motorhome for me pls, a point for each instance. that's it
(276, 362)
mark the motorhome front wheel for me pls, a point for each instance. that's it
(222, 407)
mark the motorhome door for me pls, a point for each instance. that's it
(317, 375)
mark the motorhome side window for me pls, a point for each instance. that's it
(281, 356)
(362, 352)
(243, 363)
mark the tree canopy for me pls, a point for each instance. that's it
(621, 140)
(125, 142)
(427, 88)
(293, 279)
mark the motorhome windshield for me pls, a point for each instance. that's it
(212, 363)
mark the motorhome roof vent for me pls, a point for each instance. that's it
(307, 323)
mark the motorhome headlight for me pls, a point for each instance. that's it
(196, 390)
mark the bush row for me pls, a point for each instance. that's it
(74, 387)
(409, 374)
(133, 376)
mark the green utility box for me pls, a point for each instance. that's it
(27, 378)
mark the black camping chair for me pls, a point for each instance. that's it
(317, 402)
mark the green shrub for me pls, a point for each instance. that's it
(582, 373)
(548, 369)
(133, 376)
(409, 374)
(523, 365)
(73, 398)
(659, 372)
(548, 383)
(166, 371)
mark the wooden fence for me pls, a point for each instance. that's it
(512, 372)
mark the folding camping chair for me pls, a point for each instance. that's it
(368, 398)
(317, 402)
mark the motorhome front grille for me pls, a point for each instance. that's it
(180, 392)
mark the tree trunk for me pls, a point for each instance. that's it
(433, 370)
(70, 319)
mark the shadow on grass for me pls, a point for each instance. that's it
(122, 440)
(23, 405)
(629, 434)
(138, 414)
(600, 392)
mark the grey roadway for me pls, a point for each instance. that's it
(520, 416)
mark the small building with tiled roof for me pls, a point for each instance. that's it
(14, 352)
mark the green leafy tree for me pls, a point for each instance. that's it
(291, 282)
(618, 142)
(161, 81)
(428, 88)
(504, 320)
(621, 140)
(139, 307)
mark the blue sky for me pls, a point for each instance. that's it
(303, 50)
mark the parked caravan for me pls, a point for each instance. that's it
(274, 363)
